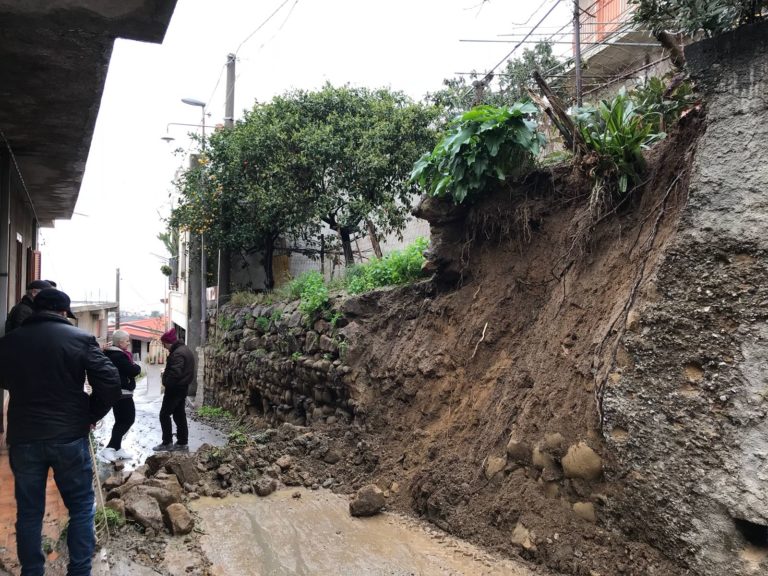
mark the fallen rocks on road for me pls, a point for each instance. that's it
(368, 501)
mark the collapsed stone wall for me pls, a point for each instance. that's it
(685, 410)
(271, 360)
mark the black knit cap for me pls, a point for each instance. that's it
(38, 285)
(53, 300)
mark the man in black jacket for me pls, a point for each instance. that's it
(44, 365)
(178, 375)
(26, 306)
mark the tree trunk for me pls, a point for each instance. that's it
(555, 109)
(374, 239)
(225, 270)
(269, 275)
(346, 243)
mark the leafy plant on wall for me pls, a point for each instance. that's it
(485, 145)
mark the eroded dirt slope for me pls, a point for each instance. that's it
(478, 387)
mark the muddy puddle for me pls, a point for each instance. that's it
(314, 535)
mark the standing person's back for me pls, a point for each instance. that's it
(178, 375)
(26, 306)
(44, 364)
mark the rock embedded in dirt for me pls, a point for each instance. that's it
(332, 456)
(523, 537)
(494, 465)
(540, 459)
(519, 451)
(585, 511)
(582, 462)
(265, 486)
(179, 519)
(284, 462)
(368, 501)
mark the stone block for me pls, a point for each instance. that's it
(582, 462)
(368, 501)
(183, 467)
(179, 519)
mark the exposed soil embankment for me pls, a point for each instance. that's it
(477, 393)
(586, 392)
(487, 394)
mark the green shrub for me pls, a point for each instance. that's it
(276, 315)
(108, 517)
(484, 145)
(658, 109)
(213, 413)
(262, 323)
(314, 293)
(399, 267)
(617, 135)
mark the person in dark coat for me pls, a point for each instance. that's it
(26, 306)
(124, 410)
(44, 365)
(178, 375)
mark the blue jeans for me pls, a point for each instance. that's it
(72, 471)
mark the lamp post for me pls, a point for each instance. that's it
(203, 263)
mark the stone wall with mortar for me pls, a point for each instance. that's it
(685, 410)
(274, 361)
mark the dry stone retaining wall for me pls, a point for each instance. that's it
(273, 361)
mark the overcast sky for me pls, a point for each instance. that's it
(408, 45)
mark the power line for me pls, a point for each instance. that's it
(260, 26)
(506, 57)
(532, 14)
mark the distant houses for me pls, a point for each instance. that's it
(145, 338)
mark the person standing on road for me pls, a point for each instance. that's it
(26, 306)
(124, 410)
(44, 365)
(178, 375)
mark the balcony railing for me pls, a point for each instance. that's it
(601, 18)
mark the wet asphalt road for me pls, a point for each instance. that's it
(145, 432)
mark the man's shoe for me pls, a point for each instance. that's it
(108, 455)
(180, 448)
(163, 448)
(123, 454)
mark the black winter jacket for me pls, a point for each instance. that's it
(43, 364)
(179, 369)
(23, 310)
(127, 369)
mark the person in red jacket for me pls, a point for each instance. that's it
(178, 375)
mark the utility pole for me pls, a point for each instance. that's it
(225, 256)
(194, 283)
(229, 106)
(577, 47)
(117, 298)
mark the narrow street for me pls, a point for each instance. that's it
(291, 532)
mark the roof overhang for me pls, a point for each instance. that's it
(54, 56)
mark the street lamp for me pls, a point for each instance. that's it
(203, 263)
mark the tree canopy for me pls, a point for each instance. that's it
(339, 156)
(459, 94)
(711, 17)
